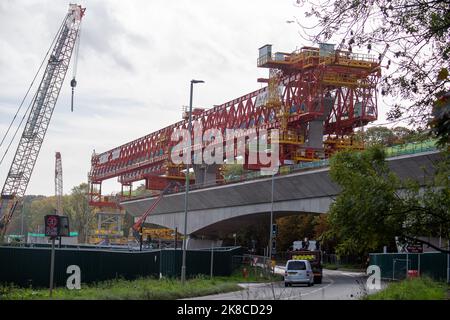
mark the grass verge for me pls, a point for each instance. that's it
(413, 289)
(141, 289)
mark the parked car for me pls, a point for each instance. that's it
(298, 271)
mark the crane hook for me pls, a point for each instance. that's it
(73, 84)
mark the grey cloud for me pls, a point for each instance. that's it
(103, 33)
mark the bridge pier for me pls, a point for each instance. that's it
(315, 134)
(316, 127)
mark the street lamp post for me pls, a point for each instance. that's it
(183, 266)
(271, 219)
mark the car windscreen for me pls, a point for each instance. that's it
(296, 265)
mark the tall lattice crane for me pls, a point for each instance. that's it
(41, 111)
(58, 183)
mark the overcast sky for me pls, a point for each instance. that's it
(135, 63)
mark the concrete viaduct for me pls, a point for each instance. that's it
(220, 210)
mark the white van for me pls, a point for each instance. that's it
(298, 271)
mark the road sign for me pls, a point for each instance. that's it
(56, 226)
(415, 248)
(52, 225)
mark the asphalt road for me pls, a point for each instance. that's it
(336, 285)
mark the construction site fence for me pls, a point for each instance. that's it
(30, 266)
(399, 266)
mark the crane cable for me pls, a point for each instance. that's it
(73, 82)
(24, 98)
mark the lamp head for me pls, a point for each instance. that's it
(197, 81)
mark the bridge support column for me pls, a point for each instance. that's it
(205, 174)
(316, 127)
(315, 134)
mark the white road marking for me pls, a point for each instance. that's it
(353, 274)
(313, 291)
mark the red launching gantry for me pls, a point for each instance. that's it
(315, 97)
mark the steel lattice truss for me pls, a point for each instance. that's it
(339, 90)
(39, 117)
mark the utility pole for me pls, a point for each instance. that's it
(176, 237)
(448, 262)
(186, 203)
(271, 218)
(212, 259)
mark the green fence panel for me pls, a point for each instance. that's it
(31, 266)
(198, 262)
(393, 265)
(434, 265)
(171, 261)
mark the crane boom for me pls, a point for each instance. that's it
(138, 224)
(42, 107)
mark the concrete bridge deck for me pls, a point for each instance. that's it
(219, 210)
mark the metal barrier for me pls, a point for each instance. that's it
(411, 148)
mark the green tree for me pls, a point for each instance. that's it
(294, 228)
(368, 192)
(414, 32)
(39, 209)
(81, 216)
(375, 206)
(384, 136)
(379, 136)
(231, 170)
(321, 229)
(401, 134)
(440, 122)
(23, 216)
(427, 210)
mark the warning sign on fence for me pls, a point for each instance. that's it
(52, 225)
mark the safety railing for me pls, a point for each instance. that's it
(394, 151)
(411, 148)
